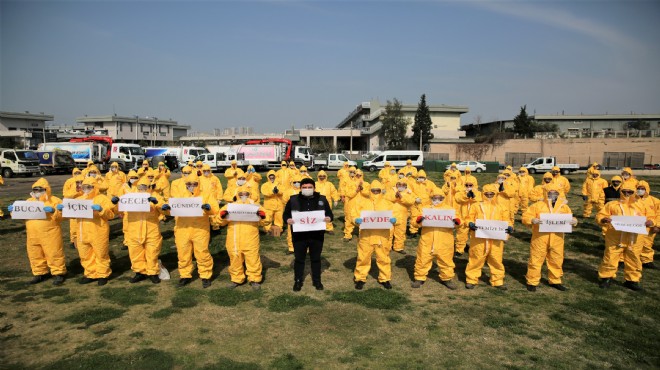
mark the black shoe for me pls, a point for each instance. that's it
(469, 286)
(331, 232)
(58, 280)
(604, 283)
(154, 279)
(416, 284)
(39, 278)
(72, 246)
(359, 285)
(297, 286)
(85, 280)
(102, 281)
(457, 254)
(449, 284)
(137, 278)
(124, 247)
(558, 287)
(622, 264)
(401, 252)
(206, 283)
(318, 286)
(183, 282)
(531, 288)
(386, 284)
(632, 285)
(649, 265)
(346, 240)
(502, 288)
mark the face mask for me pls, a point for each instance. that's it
(499, 181)
(400, 176)
(114, 169)
(351, 174)
(86, 191)
(641, 192)
(37, 194)
(469, 188)
(271, 179)
(489, 196)
(240, 182)
(206, 173)
(143, 190)
(420, 179)
(401, 189)
(132, 181)
(321, 178)
(625, 195)
(552, 197)
(244, 198)
(92, 174)
(625, 177)
(392, 172)
(307, 192)
(191, 189)
(436, 202)
(296, 185)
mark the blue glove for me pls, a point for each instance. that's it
(166, 207)
(472, 226)
(509, 230)
(49, 209)
(393, 220)
(358, 220)
(206, 207)
(60, 207)
(10, 208)
(114, 200)
(97, 208)
(153, 200)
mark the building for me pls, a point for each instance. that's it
(135, 129)
(24, 130)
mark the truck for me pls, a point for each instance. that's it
(55, 161)
(81, 152)
(182, 153)
(332, 161)
(127, 156)
(18, 162)
(545, 164)
(270, 152)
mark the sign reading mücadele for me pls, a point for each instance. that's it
(438, 217)
(243, 212)
(308, 221)
(375, 220)
(555, 223)
(186, 207)
(25, 210)
(134, 202)
(77, 208)
(491, 229)
(630, 224)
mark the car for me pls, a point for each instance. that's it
(474, 166)
(652, 166)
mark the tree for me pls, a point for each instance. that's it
(423, 123)
(522, 124)
(395, 126)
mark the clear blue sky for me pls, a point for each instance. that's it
(270, 65)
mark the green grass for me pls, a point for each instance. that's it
(231, 297)
(94, 316)
(129, 296)
(290, 302)
(373, 298)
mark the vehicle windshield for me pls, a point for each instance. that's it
(27, 155)
(197, 152)
(304, 150)
(132, 150)
(342, 158)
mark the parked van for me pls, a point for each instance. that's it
(397, 158)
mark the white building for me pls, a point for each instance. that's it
(27, 129)
(135, 129)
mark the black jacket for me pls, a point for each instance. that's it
(300, 203)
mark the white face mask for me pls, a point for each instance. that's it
(351, 174)
(625, 177)
(436, 202)
(392, 172)
(296, 185)
(641, 192)
(37, 194)
(420, 179)
(552, 197)
(307, 192)
(240, 182)
(469, 188)
(244, 198)
(400, 176)
(132, 181)
(92, 174)
(207, 173)
(191, 189)
(114, 169)
(271, 179)
(401, 189)
(500, 181)
(86, 191)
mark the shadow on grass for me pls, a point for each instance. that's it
(148, 358)
(231, 297)
(90, 317)
(289, 302)
(129, 296)
(516, 269)
(224, 363)
(12, 230)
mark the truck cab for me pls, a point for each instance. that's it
(19, 162)
(303, 156)
(209, 158)
(128, 156)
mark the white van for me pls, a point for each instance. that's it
(397, 158)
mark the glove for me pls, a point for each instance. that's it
(358, 221)
(10, 208)
(418, 200)
(509, 230)
(536, 221)
(49, 209)
(470, 194)
(206, 207)
(153, 200)
(234, 199)
(457, 221)
(223, 214)
(393, 220)
(584, 198)
(166, 207)
(114, 200)
(502, 187)
(648, 223)
(97, 208)
(472, 226)
(573, 221)
(261, 214)
(420, 219)
(276, 190)
(59, 207)
(605, 220)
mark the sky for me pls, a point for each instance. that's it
(271, 65)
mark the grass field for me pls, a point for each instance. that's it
(146, 326)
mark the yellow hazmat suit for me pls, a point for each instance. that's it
(409, 169)
(538, 192)
(128, 187)
(592, 193)
(145, 167)
(590, 170)
(653, 203)
(254, 181)
(511, 182)
(467, 197)
(489, 251)
(560, 180)
(295, 189)
(342, 174)
(548, 247)
(384, 172)
(115, 179)
(327, 189)
(163, 171)
(231, 174)
(468, 177)
(100, 183)
(526, 186)
(72, 190)
(452, 172)
(349, 191)
(273, 204)
(231, 194)
(210, 183)
(505, 196)
(178, 186)
(628, 177)
(284, 176)
(402, 199)
(421, 188)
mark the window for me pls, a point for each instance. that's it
(210, 157)
(333, 157)
(378, 159)
(27, 155)
(10, 156)
(342, 158)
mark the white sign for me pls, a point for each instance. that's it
(186, 207)
(438, 217)
(77, 208)
(630, 224)
(375, 220)
(491, 229)
(556, 223)
(134, 202)
(308, 221)
(243, 212)
(25, 210)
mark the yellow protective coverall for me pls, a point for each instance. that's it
(505, 195)
(592, 189)
(538, 192)
(526, 186)
(653, 204)
(489, 251)
(594, 166)
(409, 169)
(342, 173)
(303, 173)
(435, 243)
(452, 172)
(374, 240)
(231, 194)
(464, 203)
(422, 191)
(231, 174)
(161, 184)
(44, 237)
(178, 186)
(163, 171)
(115, 179)
(254, 180)
(384, 172)
(100, 184)
(285, 199)
(511, 182)
(93, 237)
(273, 203)
(327, 189)
(145, 167)
(618, 242)
(560, 180)
(468, 178)
(402, 201)
(210, 183)
(284, 176)
(545, 247)
(143, 237)
(631, 180)
(128, 187)
(192, 234)
(243, 245)
(72, 191)
(349, 193)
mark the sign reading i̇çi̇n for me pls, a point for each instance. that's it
(556, 223)
(186, 207)
(243, 212)
(134, 202)
(27, 210)
(434, 217)
(375, 220)
(491, 229)
(308, 221)
(77, 208)
(630, 224)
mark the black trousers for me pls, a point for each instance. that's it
(300, 249)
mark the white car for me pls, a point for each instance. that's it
(474, 166)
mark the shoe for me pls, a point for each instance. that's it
(449, 284)
(288, 253)
(531, 288)
(401, 252)
(58, 280)
(502, 288)
(469, 286)
(346, 240)
(457, 254)
(622, 264)
(72, 246)
(124, 247)
(649, 265)
(359, 285)
(39, 278)
(233, 285)
(137, 278)
(255, 286)
(155, 279)
(206, 283)
(331, 232)
(85, 280)
(416, 284)
(387, 285)
(558, 287)
(318, 286)
(632, 285)
(183, 282)
(604, 283)
(102, 281)
(297, 286)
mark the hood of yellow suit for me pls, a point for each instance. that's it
(547, 175)
(490, 188)
(523, 169)
(553, 187)
(645, 185)
(76, 172)
(193, 178)
(468, 170)
(95, 191)
(629, 199)
(616, 178)
(43, 183)
(421, 173)
(321, 173)
(143, 181)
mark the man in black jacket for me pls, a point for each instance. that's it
(612, 192)
(307, 200)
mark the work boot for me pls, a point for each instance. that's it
(531, 288)
(469, 286)
(183, 282)
(502, 288)
(58, 280)
(288, 253)
(297, 285)
(604, 283)
(124, 247)
(346, 240)
(649, 265)
(457, 254)
(416, 284)
(386, 284)
(558, 287)
(331, 232)
(137, 278)
(318, 285)
(232, 285)
(255, 285)
(632, 285)
(155, 279)
(359, 285)
(206, 283)
(72, 246)
(102, 281)
(39, 278)
(401, 252)
(449, 284)
(85, 280)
